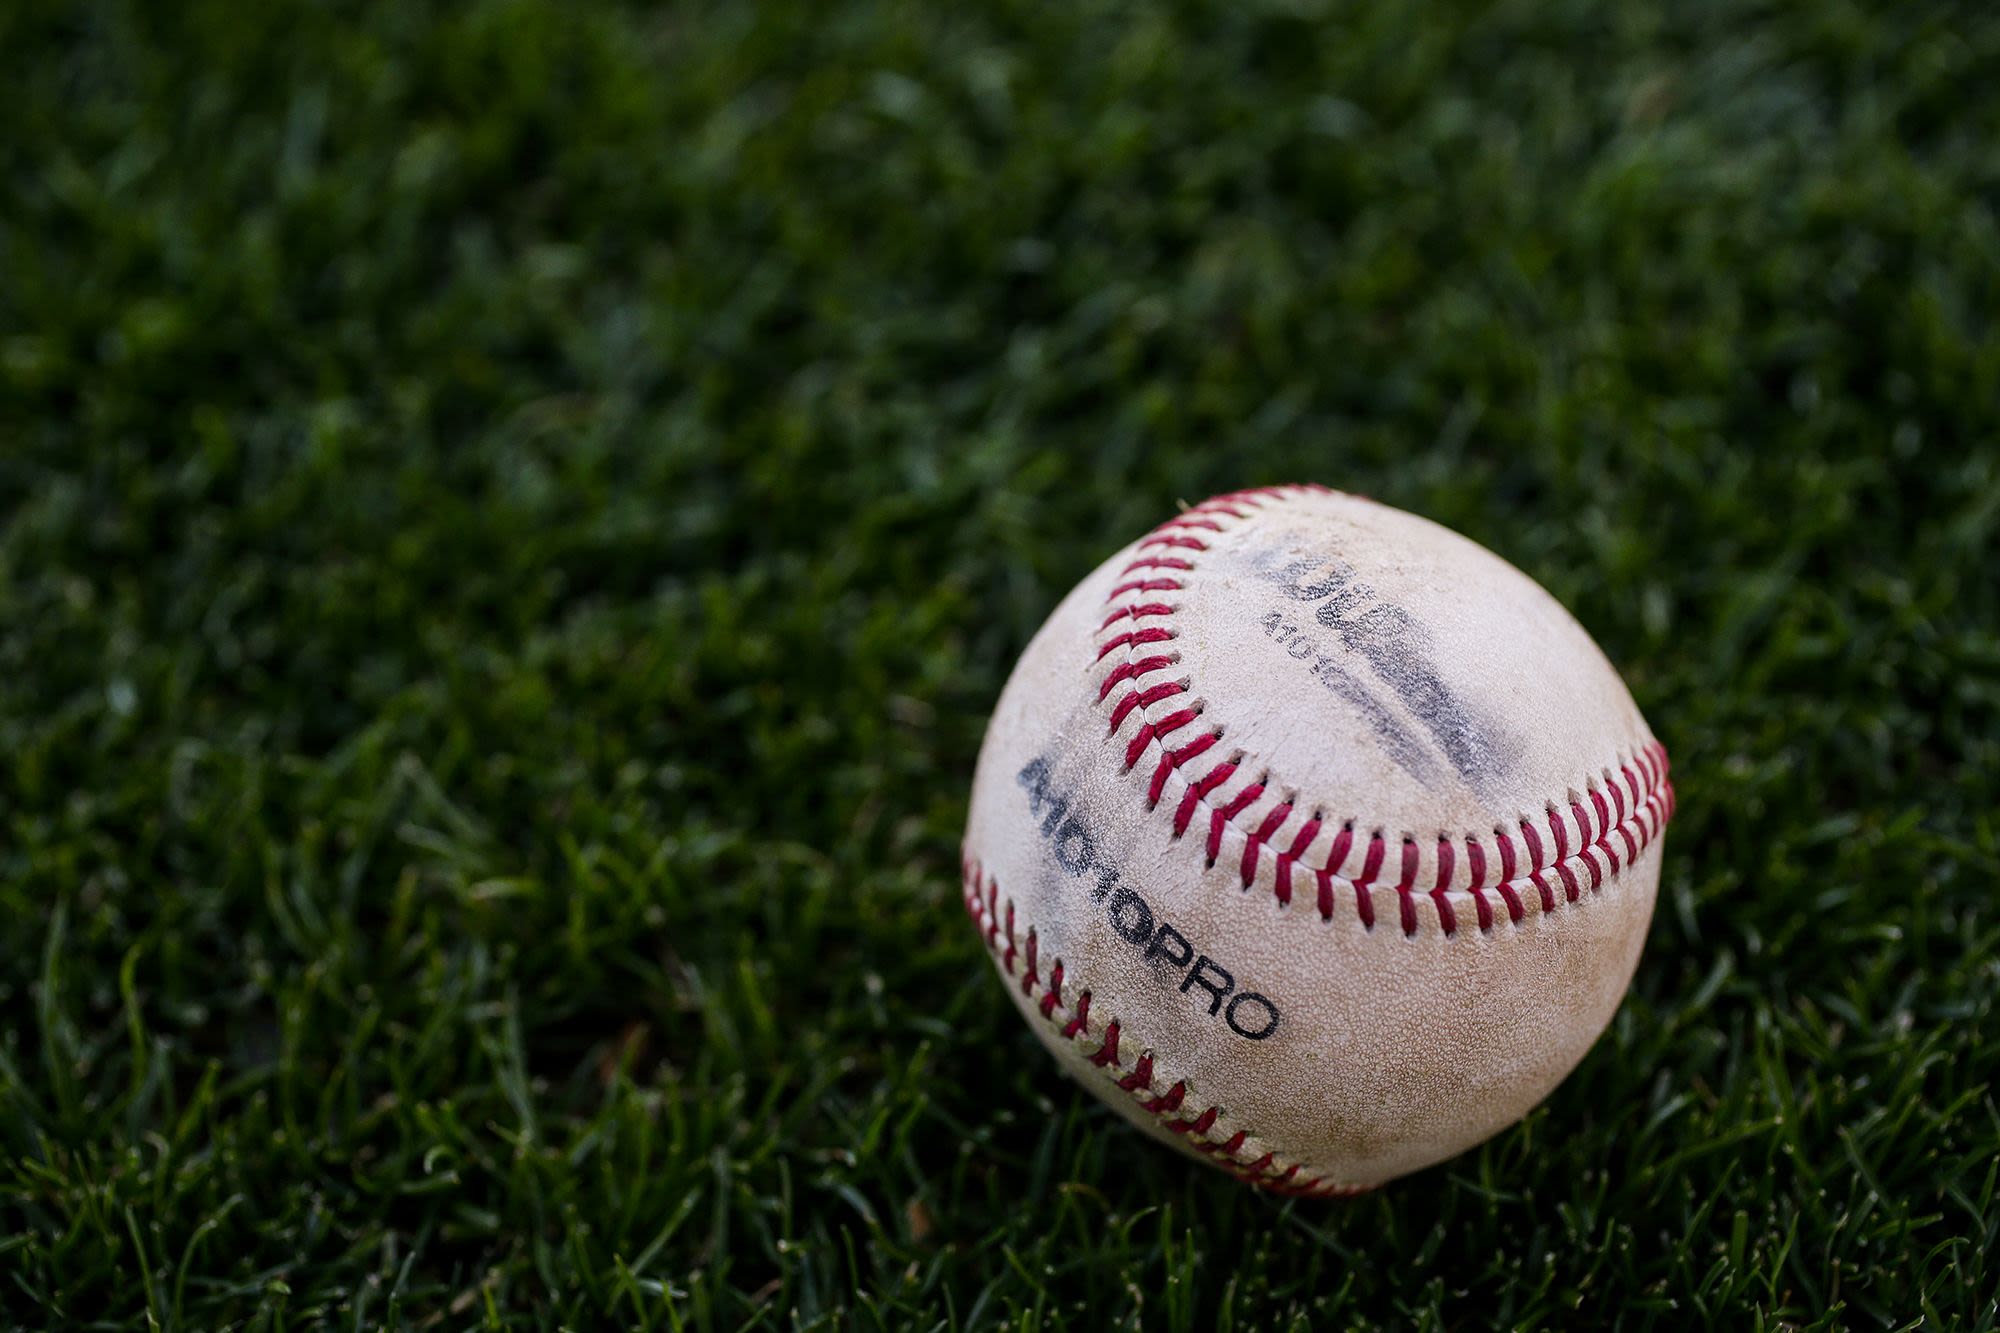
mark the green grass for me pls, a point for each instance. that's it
(511, 519)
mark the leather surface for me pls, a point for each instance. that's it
(1372, 683)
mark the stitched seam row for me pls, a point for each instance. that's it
(1616, 818)
(1017, 956)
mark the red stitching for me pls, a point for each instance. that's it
(1272, 822)
(1214, 778)
(1170, 759)
(1148, 585)
(1133, 670)
(1226, 813)
(1139, 611)
(1141, 1075)
(1447, 919)
(1371, 865)
(1535, 862)
(1607, 813)
(1406, 882)
(1107, 1054)
(982, 903)
(1475, 866)
(1081, 1020)
(1342, 842)
(1133, 639)
(1304, 839)
(1142, 699)
(1323, 895)
(1508, 893)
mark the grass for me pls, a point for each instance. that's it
(512, 517)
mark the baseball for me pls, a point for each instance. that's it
(1316, 839)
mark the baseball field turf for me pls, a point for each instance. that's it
(513, 517)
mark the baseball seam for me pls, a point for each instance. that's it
(1203, 1131)
(1575, 837)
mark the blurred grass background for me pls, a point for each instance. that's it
(512, 516)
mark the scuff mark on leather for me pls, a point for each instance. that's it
(1400, 651)
(1403, 745)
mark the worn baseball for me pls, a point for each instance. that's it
(1316, 839)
